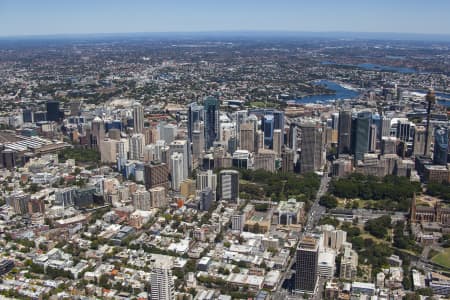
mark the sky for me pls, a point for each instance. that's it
(48, 17)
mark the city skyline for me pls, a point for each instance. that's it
(25, 18)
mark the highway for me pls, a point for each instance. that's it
(313, 218)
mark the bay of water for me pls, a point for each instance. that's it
(340, 93)
(376, 67)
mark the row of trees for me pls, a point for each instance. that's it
(441, 190)
(80, 155)
(394, 192)
(279, 186)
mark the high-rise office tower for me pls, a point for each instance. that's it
(385, 126)
(161, 282)
(97, 132)
(362, 134)
(176, 170)
(182, 147)
(267, 126)
(207, 196)
(149, 153)
(138, 118)
(168, 132)
(18, 201)
(114, 134)
(335, 121)
(376, 120)
(259, 140)
(241, 118)
(440, 146)
(229, 185)
(404, 130)
(287, 157)
(265, 160)
(419, 140)
(431, 99)
(389, 145)
(158, 196)
(373, 138)
(141, 200)
(156, 174)
(247, 137)
(75, 107)
(53, 111)
(349, 264)
(206, 179)
(278, 120)
(277, 141)
(195, 115)
(27, 115)
(122, 153)
(312, 147)
(292, 136)
(108, 152)
(306, 265)
(345, 132)
(137, 146)
(212, 128)
(198, 143)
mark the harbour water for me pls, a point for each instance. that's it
(376, 67)
(340, 93)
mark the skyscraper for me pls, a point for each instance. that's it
(229, 185)
(312, 148)
(431, 99)
(97, 132)
(53, 112)
(206, 199)
(306, 265)
(138, 118)
(141, 200)
(156, 174)
(182, 147)
(241, 118)
(385, 126)
(267, 125)
(277, 141)
(247, 137)
(137, 146)
(195, 115)
(206, 179)
(419, 140)
(167, 132)
(211, 107)
(345, 132)
(158, 196)
(161, 282)
(440, 146)
(198, 143)
(278, 120)
(176, 170)
(362, 134)
(373, 138)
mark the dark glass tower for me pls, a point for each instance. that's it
(211, 107)
(345, 132)
(306, 266)
(440, 146)
(268, 127)
(195, 114)
(362, 134)
(53, 112)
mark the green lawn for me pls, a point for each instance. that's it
(443, 258)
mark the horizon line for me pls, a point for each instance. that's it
(240, 31)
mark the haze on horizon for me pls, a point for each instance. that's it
(53, 17)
